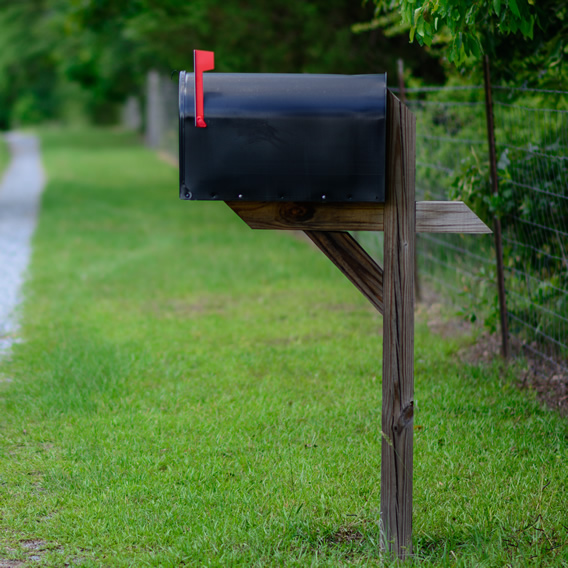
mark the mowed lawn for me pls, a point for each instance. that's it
(189, 392)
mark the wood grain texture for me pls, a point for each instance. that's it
(448, 217)
(348, 255)
(431, 216)
(398, 332)
(310, 216)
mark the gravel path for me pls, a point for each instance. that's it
(20, 190)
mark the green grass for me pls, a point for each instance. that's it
(193, 393)
(4, 156)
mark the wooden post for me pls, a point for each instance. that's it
(402, 97)
(398, 332)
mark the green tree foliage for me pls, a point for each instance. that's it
(27, 70)
(261, 36)
(107, 46)
(523, 37)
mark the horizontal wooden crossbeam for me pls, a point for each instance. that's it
(431, 216)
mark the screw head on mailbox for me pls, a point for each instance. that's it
(281, 137)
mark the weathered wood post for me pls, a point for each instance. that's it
(398, 331)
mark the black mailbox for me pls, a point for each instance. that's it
(282, 137)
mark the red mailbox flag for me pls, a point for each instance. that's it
(202, 61)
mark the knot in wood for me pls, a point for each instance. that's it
(405, 418)
(296, 211)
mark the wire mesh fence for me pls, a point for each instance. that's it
(531, 132)
(450, 131)
(532, 136)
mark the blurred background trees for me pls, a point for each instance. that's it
(59, 58)
(64, 59)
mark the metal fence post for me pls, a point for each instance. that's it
(505, 348)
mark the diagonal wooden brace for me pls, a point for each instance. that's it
(350, 257)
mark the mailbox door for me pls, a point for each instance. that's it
(283, 137)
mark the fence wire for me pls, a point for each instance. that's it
(531, 132)
(532, 140)
(449, 126)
